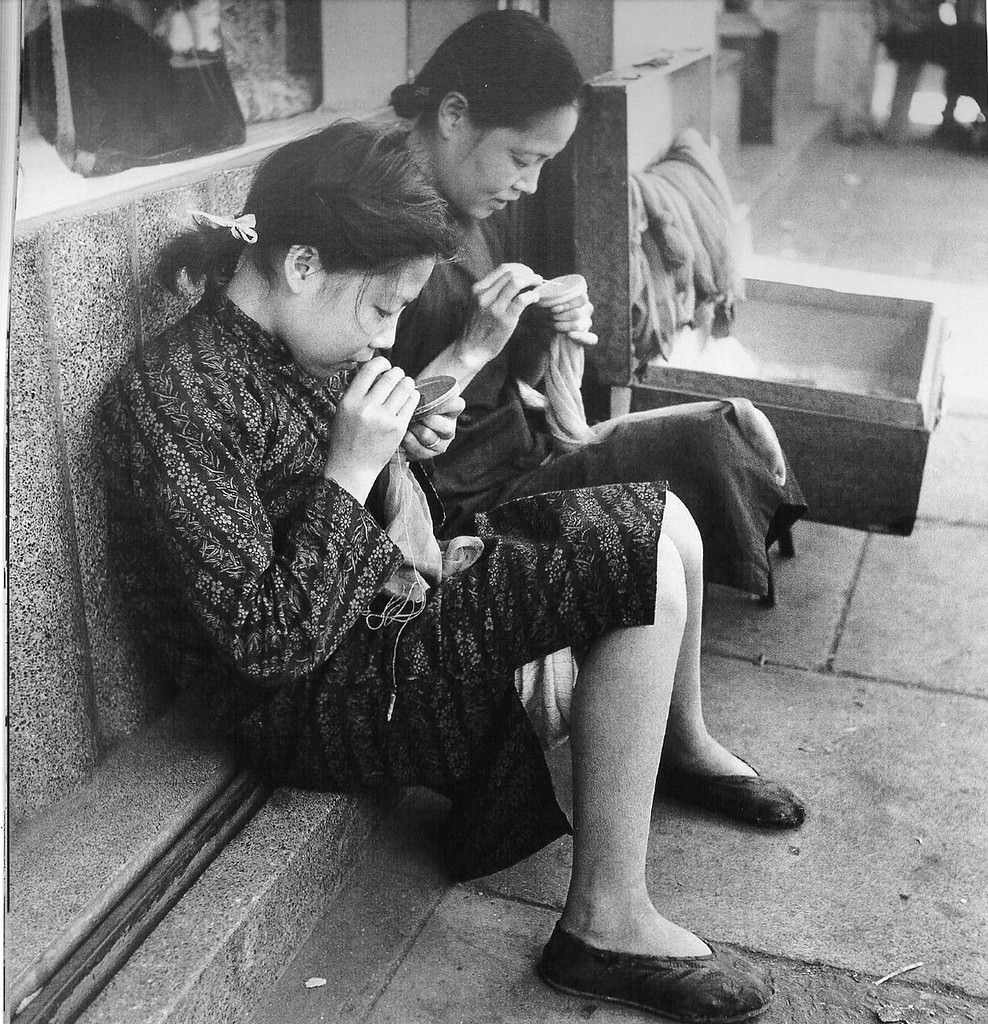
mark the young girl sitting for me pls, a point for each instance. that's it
(264, 526)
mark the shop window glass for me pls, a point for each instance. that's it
(127, 83)
(537, 7)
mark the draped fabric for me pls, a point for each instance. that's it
(249, 578)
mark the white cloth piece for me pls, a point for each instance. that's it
(546, 688)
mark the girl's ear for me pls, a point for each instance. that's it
(301, 262)
(452, 114)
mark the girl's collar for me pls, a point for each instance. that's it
(244, 326)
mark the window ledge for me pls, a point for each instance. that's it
(46, 187)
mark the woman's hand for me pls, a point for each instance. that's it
(370, 422)
(501, 298)
(433, 434)
(574, 317)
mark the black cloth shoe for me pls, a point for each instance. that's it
(718, 988)
(747, 798)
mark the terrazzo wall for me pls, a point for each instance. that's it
(82, 296)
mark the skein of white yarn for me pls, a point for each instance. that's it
(565, 413)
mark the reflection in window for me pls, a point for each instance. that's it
(537, 7)
(124, 83)
(274, 53)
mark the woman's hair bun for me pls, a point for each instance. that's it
(409, 100)
(510, 66)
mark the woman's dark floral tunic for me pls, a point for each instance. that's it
(249, 576)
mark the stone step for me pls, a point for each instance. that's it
(70, 866)
(230, 936)
(92, 881)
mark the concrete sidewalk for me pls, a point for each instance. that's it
(866, 688)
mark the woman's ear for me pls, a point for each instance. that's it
(301, 262)
(452, 114)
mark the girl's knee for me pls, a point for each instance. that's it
(671, 603)
(680, 527)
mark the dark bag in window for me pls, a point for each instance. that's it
(123, 102)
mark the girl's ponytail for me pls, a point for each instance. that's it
(206, 254)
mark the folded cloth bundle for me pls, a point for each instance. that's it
(692, 260)
(654, 291)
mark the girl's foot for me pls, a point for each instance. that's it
(701, 755)
(710, 776)
(634, 927)
(717, 987)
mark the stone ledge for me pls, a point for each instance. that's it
(231, 935)
(68, 867)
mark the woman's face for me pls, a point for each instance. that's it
(481, 170)
(338, 319)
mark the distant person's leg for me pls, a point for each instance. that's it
(897, 128)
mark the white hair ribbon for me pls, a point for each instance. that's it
(240, 227)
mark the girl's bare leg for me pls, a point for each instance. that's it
(618, 725)
(638, 696)
(688, 743)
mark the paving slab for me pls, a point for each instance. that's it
(910, 211)
(889, 867)
(966, 355)
(913, 251)
(879, 200)
(475, 962)
(919, 610)
(955, 479)
(811, 593)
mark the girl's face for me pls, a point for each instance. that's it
(339, 319)
(481, 170)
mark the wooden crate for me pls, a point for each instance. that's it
(851, 382)
(853, 385)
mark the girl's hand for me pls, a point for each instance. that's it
(370, 422)
(501, 298)
(433, 434)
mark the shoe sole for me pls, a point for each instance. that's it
(739, 1019)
